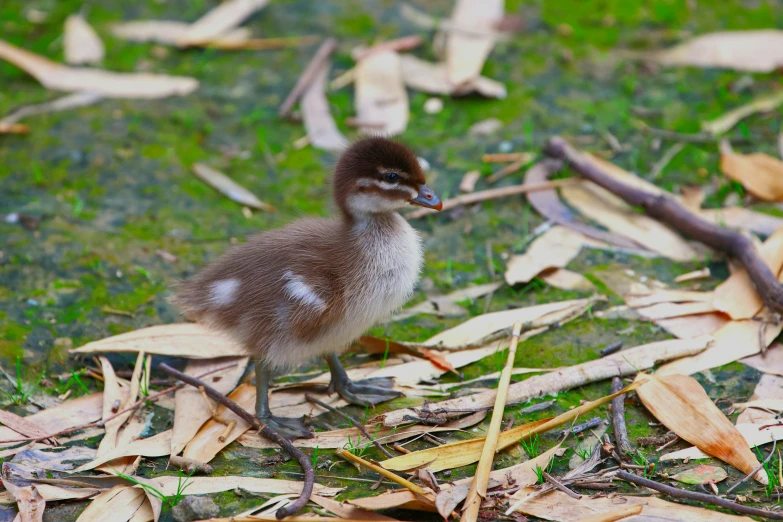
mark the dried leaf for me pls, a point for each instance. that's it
(229, 187)
(81, 43)
(168, 32)
(321, 128)
(191, 412)
(67, 415)
(669, 310)
(523, 474)
(769, 363)
(190, 340)
(204, 446)
(348, 511)
(52, 493)
(566, 280)
(35, 460)
(652, 297)
(432, 78)
(155, 446)
(555, 248)
(692, 326)
(466, 452)
(752, 51)
(123, 502)
(114, 400)
(30, 503)
(71, 101)
(682, 405)
(754, 435)
(735, 340)
(701, 474)
(467, 52)
(628, 362)
(339, 438)
(559, 507)
(403, 499)
(482, 326)
(759, 173)
(743, 219)
(220, 20)
(21, 425)
(610, 211)
(109, 84)
(734, 116)
(764, 404)
(548, 204)
(381, 100)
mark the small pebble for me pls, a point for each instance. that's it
(32, 302)
(194, 507)
(486, 127)
(433, 106)
(505, 146)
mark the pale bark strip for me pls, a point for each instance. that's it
(625, 363)
(478, 488)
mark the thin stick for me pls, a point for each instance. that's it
(559, 485)
(308, 76)
(755, 470)
(100, 423)
(506, 171)
(668, 211)
(624, 447)
(478, 487)
(386, 473)
(230, 426)
(666, 159)
(405, 43)
(699, 497)
(500, 192)
(353, 421)
(261, 44)
(505, 157)
(266, 431)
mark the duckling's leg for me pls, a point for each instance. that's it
(288, 428)
(367, 392)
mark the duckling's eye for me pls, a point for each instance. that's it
(391, 177)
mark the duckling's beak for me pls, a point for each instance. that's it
(427, 198)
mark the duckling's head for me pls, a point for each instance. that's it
(377, 175)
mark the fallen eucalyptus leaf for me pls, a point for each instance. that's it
(681, 404)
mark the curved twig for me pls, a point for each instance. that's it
(699, 497)
(266, 431)
(102, 422)
(358, 425)
(668, 211)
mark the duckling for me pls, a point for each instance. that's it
(313, 287)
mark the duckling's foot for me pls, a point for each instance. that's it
(367, 392)
(287, 427)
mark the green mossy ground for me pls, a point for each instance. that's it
(112, 181)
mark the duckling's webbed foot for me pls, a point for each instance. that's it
(286, 427)
(367, 392)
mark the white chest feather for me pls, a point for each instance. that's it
(385, 279)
